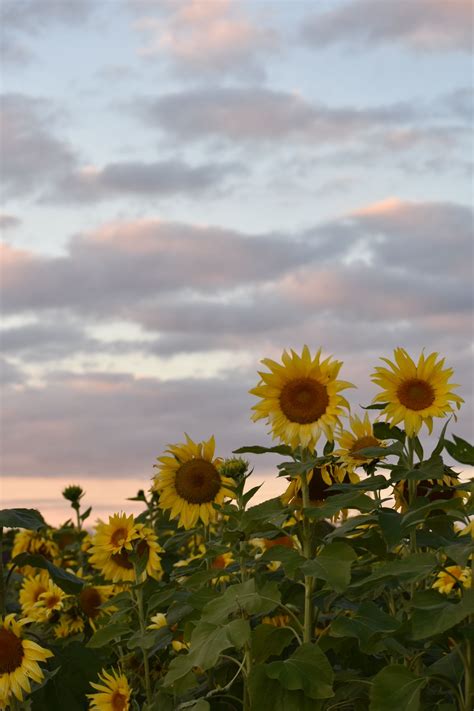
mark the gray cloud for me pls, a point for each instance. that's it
(423, 25)
(9, 221)
(264, 115)
(22, 20)
(10, 374)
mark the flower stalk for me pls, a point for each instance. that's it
(307, 552)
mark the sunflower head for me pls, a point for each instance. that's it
(351, 442)
(190, 481)
(415, 392)
(300, 398)
(113, 693)
(431, 489)
(19, 659)
(452, 578)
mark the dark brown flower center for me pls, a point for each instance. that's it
(362, 443)
(197, 481)
(304, 400)
(432, 491)
(319, 490)
(90, 601)
(119, 537)
(416, 394)
(122, 559)
(11, 651)
(119, 701)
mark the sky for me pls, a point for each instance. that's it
(189, 186)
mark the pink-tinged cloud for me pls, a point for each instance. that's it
(209, 37)
(422, 25)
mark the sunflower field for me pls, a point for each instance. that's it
(353, 590)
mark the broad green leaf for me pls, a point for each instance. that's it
(22, 518)
(382, 430)
(307, 669)
(66, 581)
(268, 693)
(391, 525)
(368, 624)
(271, 511)
(432, 469)
(107, 634)
(336, 503)
(419, 511)
(395, 448)
(430, 622)
(396, 688)
(460, 450)
(242, 597)
(460, 552)
(349, 525)
(449, 665)
(289, 558)
(410, 569)
(332, 564)
(208, 641)
(371, 483)
(268, 640)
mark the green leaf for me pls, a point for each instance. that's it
(268, 693)
(372, 452)
(290, 559)
(282, 449)
(86, 514)
(396, 688)
(391, 525)
(66, 581)
(208, 641)
(429, 622)
(433, 468)
(242, 597)
(268, 640)
(333, 564)
(460, 450)
(410, 569)
(22, 518)
(419, 511)
(368, 624)
(334, 504)
(377, 406)
(107, 634)
(328, 448)
(271, 511)
(441, 442)
(382, 430)
(372, 483)
(349, 525)
(307, 669)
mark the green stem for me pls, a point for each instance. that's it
(142, 622)
(308, 579)
(2, 579)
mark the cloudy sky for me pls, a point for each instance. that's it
(189, 186)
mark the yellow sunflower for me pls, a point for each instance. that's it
(31, 588)
(320, 481)
(19, 659)
(415, 393)
(114, 542)
(189, 482)
(301, 398)
(113, 693)
(452, 577)
(48, 602)
(361, 437)
(158, 621)
(431, 489)
(70, 622)
(35, 542)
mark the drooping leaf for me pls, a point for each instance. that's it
(282, 449)
(307, 669)
(242, 597)
(368, 625)
(22, 518)
(332, 506)
(460, 450)
(332, 564)
(66, 581)
(382, 430)
(268, 693)
(268, 640)
(428, 622)
(107, 634)
(396, 688)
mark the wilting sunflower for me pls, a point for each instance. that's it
(361, 437)
(19, 659)
(189, 482)
(115, 541)
(113, 693)
(452, 577)
(300, 398)
(415, 393)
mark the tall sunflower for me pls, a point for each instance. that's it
(189, 482)
(300, 398)
(115, 541)
(31, 588)
(320, 481)
(113, 694)
(415, 393)
(361, 437)
(19, 659)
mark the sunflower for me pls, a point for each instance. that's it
(415, 393)
(31, 588)
(158, 621)
(300, 398)
(113, 693)
(70, 622)
(114, 542)
(320, 481)
(19, 659)
(452, 577)
(361, 437)
(431, 489)
(92, 597)
(48, 602)
(35, 542)
(276, 620)
(190, 482)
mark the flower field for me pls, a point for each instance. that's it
(353, 590)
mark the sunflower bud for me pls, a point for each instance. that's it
(74, 494)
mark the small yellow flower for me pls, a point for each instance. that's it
(52, 600)
(361, 437)
(452, 576)
(158, 621)
(113, 693)
(179, 645)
